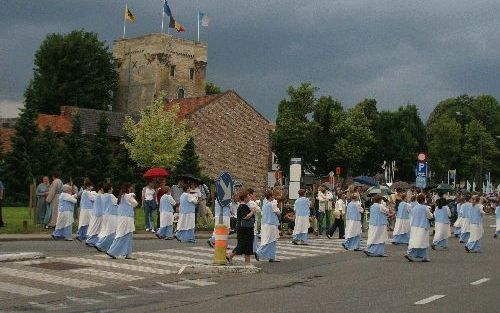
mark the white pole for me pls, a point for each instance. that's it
(198, 25)
(125, 20)
(162, 18)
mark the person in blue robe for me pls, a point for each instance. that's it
(466, 207)
(401, 233)
(476, 228)
(86, 203)
(109, 220)
(122, 244)
(186, 224)
(457, 226)
(269, 232)
(167, 204)
(418, 246)
(377, 231)
(65, 210)
(442, 216)
(353, 224)
(95, 218)
(302, 208)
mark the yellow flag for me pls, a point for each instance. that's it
(128, 15)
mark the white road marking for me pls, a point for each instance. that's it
(309, 248)
(86, 301)
(148, 291)
(158, 262)
(23, 290)
(116, 296)
(204, 249)
(105, 274)
(289, 251)
(430, 299)
(174, 286)
(199, 282)
(48, 307)
(480, 281)
(115, 264)
(175, 257)
(52, 279)
(189, 252)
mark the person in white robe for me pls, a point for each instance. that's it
(95, 218)
(466, 208)
(401, 233)
(442, 216)
(377, 229)
(122, 244)
(418, 246)
(186, 223)
(109, 220)
(86, 203)
(226, 220)
(457, 226)
(302, 211)
(353, 224)
(65, 210)
(167, 205)
(497, 215)
(269, 232)
(476, 228)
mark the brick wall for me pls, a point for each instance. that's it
(230, 135)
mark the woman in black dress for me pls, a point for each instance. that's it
(244, 229)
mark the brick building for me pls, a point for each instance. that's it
(157, 62)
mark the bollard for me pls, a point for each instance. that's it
(221, 235)
(25, 227)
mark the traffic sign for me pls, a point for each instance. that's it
(224, 187)
(421, 182)
(338, 170)
(421, 169)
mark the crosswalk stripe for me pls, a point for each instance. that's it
(115, 296)
(23, 290)
(48, 307)
(175, 257)
(158, 262)
(203, 249)
(114, 264)
(105, 274)
(189, 252)
(147, 291)
(86, 301)
(310, 248)
(291, 252)
(301, 249)
(199, 282)
(173, 286)
(48, 278)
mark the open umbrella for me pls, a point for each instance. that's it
(366, 180)
(156, 172)
(380, 189)
(445, 188)
(189, 178)
(400, 185)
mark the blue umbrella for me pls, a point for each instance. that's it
(366, 180)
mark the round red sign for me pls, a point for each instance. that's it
(421, 156)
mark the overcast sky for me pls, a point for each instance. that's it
(397, 52)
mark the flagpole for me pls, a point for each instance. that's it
(198, 25)
(162, 18)
(124, 21)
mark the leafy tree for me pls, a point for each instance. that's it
(189, 162)
(74, 68)
(123, 169)
(101, 152)
(76, 153)
(19, 163)
(371, 165)
(479, 151)
(354, 138)
(159, 137)
(293, 133)
(212, 89)
(444, 145)
(322, 122)
(48, 153)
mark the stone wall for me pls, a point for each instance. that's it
(230, 135)
(144, 65)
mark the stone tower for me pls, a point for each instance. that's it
(157, 62)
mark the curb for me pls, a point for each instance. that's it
(21, 256)
(219, 269)
(49, 238)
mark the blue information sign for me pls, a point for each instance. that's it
(421, 182)
(224, 187)
(422, 169)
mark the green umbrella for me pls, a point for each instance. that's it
(379, 189)
(445, 188)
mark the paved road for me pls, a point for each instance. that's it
(318, 278)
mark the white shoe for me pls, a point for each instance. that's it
(147, 229)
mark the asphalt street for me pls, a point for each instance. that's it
(317, 278)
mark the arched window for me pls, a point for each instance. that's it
(180, 93)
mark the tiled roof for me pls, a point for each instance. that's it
(190, 105)
(5, 138)
(58, 123)
(90, 118)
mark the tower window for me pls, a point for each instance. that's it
(180, 93)
(191, 73)
(172, 70)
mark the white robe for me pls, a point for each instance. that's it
(402, 226)
(186, 221)
(442, 231)
(419, 238)
(64, 219)
(301, 225)
(268, 234)
(377, 234)
(476, 232)
(166, 219)
(85, 216)
(125, 226)
(352, 229)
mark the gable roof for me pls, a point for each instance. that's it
(57, 123)
(90, 118)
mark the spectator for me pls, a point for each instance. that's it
(338, 213)
(323, 203)
(41, 204)
(159, 193)
(149, 204)
(202, 202)
(1, 200)
(288, 217)
(55, 191)
(244, 226)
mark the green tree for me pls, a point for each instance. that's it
(159, 137)
(123, 169)
(48, 151)
(212, 89)
(189, 162)
(101, 152)
(75, 68)
(322, 122)
(371, 165)
(479, 151)
(20, 161)
(444, 137)
(293, 133)
(354, 139)
(76, 153)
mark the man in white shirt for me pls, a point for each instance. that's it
(338, 213)
(323, 204)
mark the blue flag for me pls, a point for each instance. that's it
(166, 9)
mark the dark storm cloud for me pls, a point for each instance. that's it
(395, 51)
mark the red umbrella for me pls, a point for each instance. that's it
(156, 172)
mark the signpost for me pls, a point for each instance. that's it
(295, 178)
(224, 188)
(421, 180)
